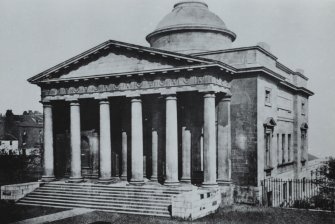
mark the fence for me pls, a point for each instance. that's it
(287, 193)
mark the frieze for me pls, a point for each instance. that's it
(133, 85)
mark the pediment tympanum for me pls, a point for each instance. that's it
(118, 63)
(113, 57)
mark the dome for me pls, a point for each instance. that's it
(191, 27)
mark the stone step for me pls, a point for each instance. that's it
(97, 206)
(162, 214)
(124, 194)
(121, 188)
(99, 202)
(121, 196)
(102, 199)
(109, 190)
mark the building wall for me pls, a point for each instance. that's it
(244, 131)
(7, 146)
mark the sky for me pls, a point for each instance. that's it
(38, 34)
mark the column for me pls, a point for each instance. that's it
(136, 141)
(171, 141)
(105, 142)
(75, 142)
(48, 156)
(124, 155)
(186, 143)
(155, 116)
(224, 140)
(209, 141)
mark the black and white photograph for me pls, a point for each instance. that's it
(167, 111)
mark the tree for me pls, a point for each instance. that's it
(326, 197)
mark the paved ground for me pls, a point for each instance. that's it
(56, 216)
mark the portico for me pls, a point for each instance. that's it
(164, 104)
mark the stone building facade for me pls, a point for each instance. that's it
(190, 108)
(26, 129)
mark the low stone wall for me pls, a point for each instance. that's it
(246, 195)
(196, 204)
(15, 192)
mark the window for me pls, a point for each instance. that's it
(268, 97)
(278, 149)
(283, 148)
(303, 108)
(289, 147)
(10, 142)
(290, 188)
(284, 191)
(303, 145)
(267, 150)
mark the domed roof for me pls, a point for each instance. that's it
(192, 15)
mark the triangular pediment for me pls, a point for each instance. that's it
(114, 57)
(269, 122)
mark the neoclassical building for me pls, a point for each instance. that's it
(190, 108)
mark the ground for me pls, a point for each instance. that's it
(233, 215)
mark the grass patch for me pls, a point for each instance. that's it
(10, 212)
(236, 214)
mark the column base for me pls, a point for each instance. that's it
(154, 179)
(186, 180)
(124, 178)
(171, 183)
(224, 182)
(48, 178)
(209, 184)
(136, 182)
(105, 181)
(75, 180)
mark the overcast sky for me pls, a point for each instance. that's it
(38, 34)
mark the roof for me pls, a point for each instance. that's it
(312, 157)
(117, 44)
(193, 15)
(8, 137)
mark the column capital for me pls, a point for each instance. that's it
(227, 97)
(171, 97)
(74, 103)
(135, 99)
(104, 101)
(209, 95)
(46, 104)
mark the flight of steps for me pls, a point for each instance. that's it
(142, 200)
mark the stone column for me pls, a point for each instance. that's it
(75, 142)
(124, 155)
(171, 141)
(48, 156)
(136, 141)
(209, 141)
(105, 142)
(186, 144)
(155, 117)
(224, 140)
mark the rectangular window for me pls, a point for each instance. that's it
(283, 148)
(289, 147)
(267, 149)
(303, 142)
(303, 108)
(284, 191)
(278, 149)
(268, 97)
(290, 188)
